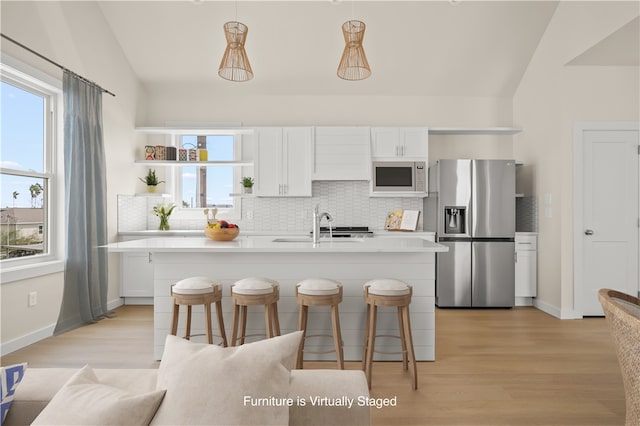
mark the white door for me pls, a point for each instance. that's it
(415, 142)
(296, 171)
(610, 215)
(267, 145)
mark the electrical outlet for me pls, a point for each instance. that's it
(33, 298)
(249, 214)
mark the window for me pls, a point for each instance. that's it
(209, 186)
(28, 183)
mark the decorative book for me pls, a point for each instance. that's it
(402, 220)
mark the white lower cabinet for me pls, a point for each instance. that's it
(526, 268)
(136, 278)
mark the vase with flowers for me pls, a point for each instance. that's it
(163, 212)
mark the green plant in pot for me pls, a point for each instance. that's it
(151, 180)
(247, 183)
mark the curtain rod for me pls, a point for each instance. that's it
(55, 63)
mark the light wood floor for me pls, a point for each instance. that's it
(493, 367)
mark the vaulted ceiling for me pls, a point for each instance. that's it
(432, 48)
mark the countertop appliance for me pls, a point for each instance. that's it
(346, 232)
(399, 176)
(473, 206)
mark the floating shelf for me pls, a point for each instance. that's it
(194, 163)
(473, 130)
(194, 131)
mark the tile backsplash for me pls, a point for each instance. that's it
(347, 201)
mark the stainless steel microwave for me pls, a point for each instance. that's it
(399, 176)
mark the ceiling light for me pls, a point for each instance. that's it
(353, 64)
(235, 62)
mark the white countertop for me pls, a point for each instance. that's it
(294, 244)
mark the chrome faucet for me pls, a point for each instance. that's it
(317, 218)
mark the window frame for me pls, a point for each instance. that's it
(227, 213)
(25, 77)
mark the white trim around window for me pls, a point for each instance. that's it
(16, 72)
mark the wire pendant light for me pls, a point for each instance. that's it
(353, 64)
(235, 62)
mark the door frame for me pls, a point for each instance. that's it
(578, 187)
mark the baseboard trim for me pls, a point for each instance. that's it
(27, 339)
(116, 303)
(43, 333)
(554, 311)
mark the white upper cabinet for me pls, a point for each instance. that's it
(341, 153)
(282, 161)
(410, 143)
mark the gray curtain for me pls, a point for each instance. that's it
(85, 278)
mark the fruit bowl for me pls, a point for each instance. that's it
(222, 234)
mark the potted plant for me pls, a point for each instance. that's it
(151, 180)
(163, 212)
(247, 184)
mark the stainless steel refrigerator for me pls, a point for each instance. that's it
(471, 207)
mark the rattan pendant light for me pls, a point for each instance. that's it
(353, 64)
(235, 62)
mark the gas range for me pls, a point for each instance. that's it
(347, 232)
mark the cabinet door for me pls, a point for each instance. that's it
(296, 152)
(385, 142)
(136, 275)
(267, 145)
(414, 142)
(526, 282)
(341, 153)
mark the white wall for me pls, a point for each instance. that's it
(75, 35)
(551, 98)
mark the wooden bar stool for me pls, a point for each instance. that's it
(388, 292)
(198, 291)
(320, 292)
(254, 291)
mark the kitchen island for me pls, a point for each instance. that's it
(289, 260)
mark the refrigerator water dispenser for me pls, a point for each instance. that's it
(454, 220)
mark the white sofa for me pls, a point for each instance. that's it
(41, 384)
(197, 384)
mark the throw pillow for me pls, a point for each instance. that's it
(241, 385)
(83, 400)
(10, 377)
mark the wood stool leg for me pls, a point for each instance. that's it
(268, 323)
(412, 355)
(234, 327)
(403, 339)
(302, 325)
(243, 322)
(174, 319)
(365, 345)
(337, 336)
(223, 335)
(371, 343)
(207, 316)
(276, 319)
(188, 326)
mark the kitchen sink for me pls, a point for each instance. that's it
(322, 240)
